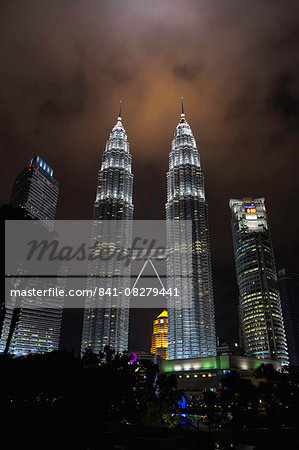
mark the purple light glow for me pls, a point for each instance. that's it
(132, 357)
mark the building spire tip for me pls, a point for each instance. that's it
(182, 112)
(182, 103)
(119, 114)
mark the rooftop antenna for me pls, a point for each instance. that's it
(182, 102)
(119, 114)
(182, 113)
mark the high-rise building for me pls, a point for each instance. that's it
(263, 334)
(28, 327)
(160, 335)
(36, 190)
(190, 305)
(106, 317)
(228, 349)
(288, 285)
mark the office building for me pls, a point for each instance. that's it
(262, 325)
(160, 335)
(30, 327)
(36, 190)
(288, 285)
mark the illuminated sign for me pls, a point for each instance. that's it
(250, 209)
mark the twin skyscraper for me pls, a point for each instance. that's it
(191, 320)
(191, 313)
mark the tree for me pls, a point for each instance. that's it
(238, 397)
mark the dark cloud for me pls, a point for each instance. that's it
(66, 98)
(187, 72)
(284, 102)
(66, 64)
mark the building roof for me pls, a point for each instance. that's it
(226, 362)
(163, 314)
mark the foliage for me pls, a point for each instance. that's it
(273, 399)
(87, 390)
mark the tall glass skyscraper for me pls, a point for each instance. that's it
(190, 305)
(36, 190)
(106, 316)
(263, 333)
(288, 285)
(30, 328)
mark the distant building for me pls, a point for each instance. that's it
(144, 355)
(160, 336)
(36, 190)
(263, 334)
(228, 349)
(26, 328)
(288, 285)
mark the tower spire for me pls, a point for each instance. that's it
(119, 114)
(182, 113)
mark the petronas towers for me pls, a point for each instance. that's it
(191, 310)
(191, 314)
(106, 316)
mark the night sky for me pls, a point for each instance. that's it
(64, 66)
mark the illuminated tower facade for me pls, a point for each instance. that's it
(36, 190)
(262, 325)
(160, 335)
(30, 328)
(288, 285)
(106, 318)
(190, 305)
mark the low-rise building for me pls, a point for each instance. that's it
(197, 375)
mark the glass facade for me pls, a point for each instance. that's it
(106, 318)
(36, 190)
(30, 327)
(191, 331)
(261, 317)
(288, 285)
